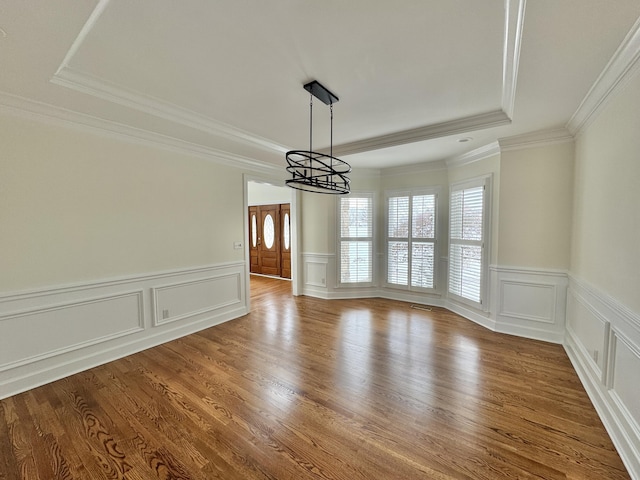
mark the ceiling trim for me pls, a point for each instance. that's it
(69, 77)
(50, 114)
(540, 138)
(84, 31)
(462, 125)
(514, 21)
(475, 155)
(622, 66)
(85, 83)
(74, 79)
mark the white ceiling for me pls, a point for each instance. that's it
(225, 77)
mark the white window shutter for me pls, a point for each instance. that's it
(466, 242)
(411, 221)
(356, 239)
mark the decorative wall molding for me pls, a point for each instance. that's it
(622, 66)
(540, 138)
(603, 343)
(316, 267)
(190, 298)
(61, 330)
(58, 116)
(64, 324)
(529, 302)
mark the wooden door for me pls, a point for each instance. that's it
(254, 234)
(285, 245)
(269, 243)
(270, 240)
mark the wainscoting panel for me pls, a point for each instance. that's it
(50, 333)
(529, 303)
(318, 268)
(603, 343)
(51, 330)
(584, 322)
(185, 299)
(625, 357)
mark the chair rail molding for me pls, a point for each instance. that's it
(50, 333)
(603, 343)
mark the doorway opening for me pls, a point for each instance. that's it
(270, 240)
(272, 205)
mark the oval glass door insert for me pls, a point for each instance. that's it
(268, 231)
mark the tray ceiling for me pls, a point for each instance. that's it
(413, 76)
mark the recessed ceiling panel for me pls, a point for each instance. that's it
(395, 65)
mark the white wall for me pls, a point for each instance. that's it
(265, 194)
(78, 207)
(529, 276)
(107, 248)
(603, 316)
(536, 196)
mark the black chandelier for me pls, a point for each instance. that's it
(315, 171)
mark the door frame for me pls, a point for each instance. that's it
(295, 222)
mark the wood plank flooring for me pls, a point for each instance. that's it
(304, 388)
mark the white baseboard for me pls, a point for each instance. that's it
(476, 316)
(54, 332)
(603, 343)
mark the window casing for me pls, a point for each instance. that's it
(411, 240)
(355, 242)
(468, 236)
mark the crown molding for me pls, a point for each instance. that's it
(466, 124)
(540, 138)
(476, 155)
(514, 21)
(622, 66)
(84, 31)
(50, 114)
(68, 77)
(413, 169)
(85, 83)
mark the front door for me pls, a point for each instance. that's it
(269, 240)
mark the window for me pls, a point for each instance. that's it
(467, 232)
(411, 240)
(356, 239)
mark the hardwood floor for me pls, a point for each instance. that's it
(309, 389)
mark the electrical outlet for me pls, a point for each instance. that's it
(323, 281)
(165, 313)
(237, 245)
(595, 356)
